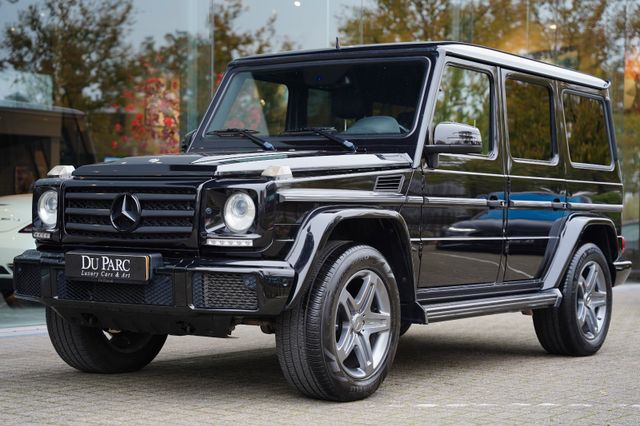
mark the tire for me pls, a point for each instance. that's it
(404, 327)
(93, 350)
(579, 326)
(335, 314)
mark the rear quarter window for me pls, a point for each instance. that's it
(586, 127)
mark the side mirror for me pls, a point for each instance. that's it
(453, 138)
(186, 141)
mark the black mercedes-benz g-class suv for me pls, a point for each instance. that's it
(336, 197)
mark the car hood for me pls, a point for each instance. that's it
(15, 211)
(189, 165)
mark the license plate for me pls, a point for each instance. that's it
(110, 267)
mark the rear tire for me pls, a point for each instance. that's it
(340, 340)
(579, 326)
(93, 350)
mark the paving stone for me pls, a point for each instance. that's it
(465, 372)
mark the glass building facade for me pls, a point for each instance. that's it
(89, 80)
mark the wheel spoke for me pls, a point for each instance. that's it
(582, 315)
(364, 353)
(376, 322)
(348, 303)
(591, 321)
(591, 279)
(367, 293)
(598, 298)
(346, 345)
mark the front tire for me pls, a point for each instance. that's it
(339, 342)
(579, 326)
(93, 350)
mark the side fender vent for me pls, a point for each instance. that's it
(389, 183)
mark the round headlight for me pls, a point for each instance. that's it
(48, 208)
(239, 212)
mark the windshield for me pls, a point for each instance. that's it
(351, 100)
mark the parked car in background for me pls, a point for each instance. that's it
(33, 139)
(15, 237)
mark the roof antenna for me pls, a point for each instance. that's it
(337, 43)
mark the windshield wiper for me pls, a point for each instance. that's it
(325, 132)
(247, 133)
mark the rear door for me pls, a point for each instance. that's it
(537, 193)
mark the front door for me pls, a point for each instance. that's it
(464, 195)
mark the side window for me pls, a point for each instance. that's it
(465, 97)
(586, 129)
(529, 120)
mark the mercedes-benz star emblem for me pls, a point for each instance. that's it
(125, 213)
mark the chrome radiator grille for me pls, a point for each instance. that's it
(165, 213)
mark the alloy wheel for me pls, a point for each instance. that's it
(363, 324)
(591, 303)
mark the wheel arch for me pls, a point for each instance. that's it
(577, 231)
(384, 230)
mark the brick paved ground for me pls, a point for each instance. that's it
(475, 371)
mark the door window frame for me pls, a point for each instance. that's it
(492, 72)
(550, 86)
(589, 166)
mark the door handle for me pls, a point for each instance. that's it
(494, 202)
(556, 204)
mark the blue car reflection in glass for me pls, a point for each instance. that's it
(522, 222)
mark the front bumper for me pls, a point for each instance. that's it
(187, 296)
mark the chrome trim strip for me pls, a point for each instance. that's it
(491, 305)
(343, 175)
(479, 238)
(449, 201)
(345, 196)
(556, 205)
(357, 196)
(552, 179)
(459, 172)
(564, 180)
(615, 208)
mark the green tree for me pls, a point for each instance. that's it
(397, 20)
(80, 44)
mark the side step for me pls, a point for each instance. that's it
(491, 305)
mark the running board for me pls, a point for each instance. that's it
(491, 305)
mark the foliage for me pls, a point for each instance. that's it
(138, 100)
(79, 43)
(587, 35)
